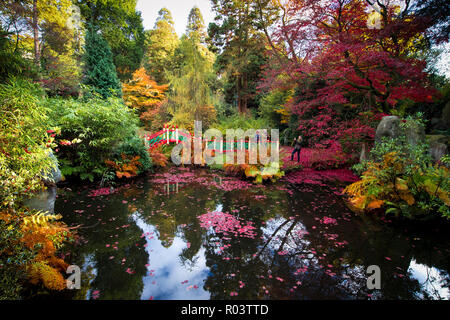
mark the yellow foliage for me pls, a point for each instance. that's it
(40, 218)
(408, 197)
(41, 233)
(49, 276)
(375, 204)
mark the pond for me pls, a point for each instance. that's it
(195, 234)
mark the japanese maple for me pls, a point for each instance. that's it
(350, 61)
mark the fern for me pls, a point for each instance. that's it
(40, 218)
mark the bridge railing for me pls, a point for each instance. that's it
(171, 134)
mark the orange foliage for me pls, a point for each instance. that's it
(144, 94)
(128, 167)
(45, 237)
(159, 158)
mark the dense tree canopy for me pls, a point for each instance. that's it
(121, 26)
(161, 43)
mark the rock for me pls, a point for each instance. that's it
(43, 201)
(55, 175)
(415, 134)
(364, 153)
(446, 114)
(389, 127)
(438, 138)
(437, 151)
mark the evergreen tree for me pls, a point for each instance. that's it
(196, 26)
(192, 97)
(162, 42)
(121, 26)
(100, 72)
(235, 37)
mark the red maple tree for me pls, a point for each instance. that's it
(350, 61)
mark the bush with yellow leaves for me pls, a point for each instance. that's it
(417, 192)
(43, 235)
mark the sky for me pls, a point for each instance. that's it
(179, 8)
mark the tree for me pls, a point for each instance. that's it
(196, 26)
(100, 72)
(61, 57)
(162, 42)
(347, 59)
(121, 26)
(192, 97)
(235, 37)
(436, 13)
(145, 95)
(44, 30)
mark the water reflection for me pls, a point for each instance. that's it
(434, 283)
(166, 277)
(197, 235)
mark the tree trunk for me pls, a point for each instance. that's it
(37, 52)
(244, 95)
(241, 88)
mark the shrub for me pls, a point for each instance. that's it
(416, 193)
(243, 122)
(401, 178)
(259, 172)
(14, 256)
(91, 132)
(273, 107)
(25, 140)
(29, 243)
(135, 146)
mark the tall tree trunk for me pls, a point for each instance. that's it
(244, 93)
(239, 93)
(37, 52)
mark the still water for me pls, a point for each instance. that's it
(186, 234)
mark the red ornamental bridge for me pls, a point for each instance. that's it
(171, 134)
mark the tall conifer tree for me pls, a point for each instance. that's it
(100, 72)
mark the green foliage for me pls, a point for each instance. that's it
(234, 35)
(196, 26)
(400, 177)
(272, 108)
(24, 140)
(100, 72)
(96, 127)
(191, 97)
(414, 154)
(162, 42)
(12, 62)
(121, 25)
(135, 147)
(14, 256)
(243, 122)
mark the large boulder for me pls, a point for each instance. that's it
(439, 146)
(43, 201)
(415, 134)
(437, 151)
(389, 127)
(55, 175)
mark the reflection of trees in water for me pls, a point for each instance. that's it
(110, 276)
(282, 221)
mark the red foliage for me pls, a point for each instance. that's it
(345, 70)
